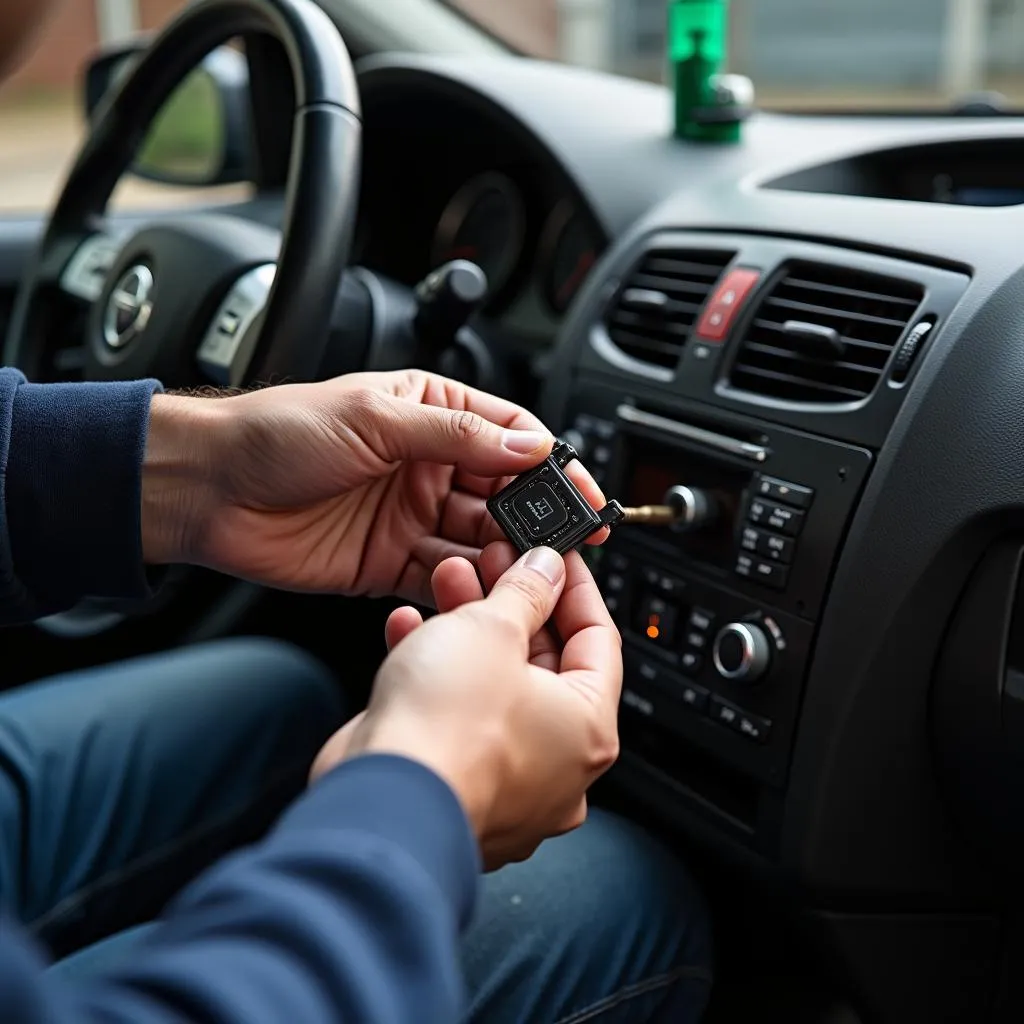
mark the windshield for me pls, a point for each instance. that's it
(799, 53)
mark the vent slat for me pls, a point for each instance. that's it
(685, 268)
(855, 293)
(671, 286)
(813, 312)
(847, 394)
(799, 357)
(869, 312)
(681, 281)
(874, 346)
(640, 343)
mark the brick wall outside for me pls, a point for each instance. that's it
(530, 25)
(60, 53)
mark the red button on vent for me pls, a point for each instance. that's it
(725, 304)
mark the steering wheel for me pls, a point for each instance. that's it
(205, 296)
(202, 297)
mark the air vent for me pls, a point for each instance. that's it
(655, 310)
(824, 334)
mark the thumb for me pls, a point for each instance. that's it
(527, 594)
(456, 437)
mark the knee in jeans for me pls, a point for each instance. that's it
(281, 671)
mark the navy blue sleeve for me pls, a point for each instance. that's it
(70, 493)
(350, 912)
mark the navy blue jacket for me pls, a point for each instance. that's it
(349, 911)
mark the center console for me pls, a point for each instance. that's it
(763, 376)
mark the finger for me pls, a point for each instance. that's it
(593, 648)
(427, 554)
(455, 583)
(481, 486)
(490, 407)
(401, 622)
(580, 476)
(495, 561)
(407, 431)
(526, 595)
(588, 487)
(430, 552)
(465, 520)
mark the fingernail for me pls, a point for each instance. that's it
(522, 442)
(545, 562)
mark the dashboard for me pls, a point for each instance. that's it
(818, 330)
(451, 181)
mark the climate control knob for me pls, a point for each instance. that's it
(742, 652)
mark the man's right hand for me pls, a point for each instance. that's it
(518, 725)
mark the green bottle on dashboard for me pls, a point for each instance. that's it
(698, 32)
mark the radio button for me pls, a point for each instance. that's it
(692, 662)
(615, 583)
(750, 539)
(617, 562)
(647, 670)
(789, 494)
(724, 713)
(755, 729)
(775, 548)
(666, 586)
(695, 698)
(745, 566)
(776, 517)
(700, 619)
(698, 641)
(771, 574)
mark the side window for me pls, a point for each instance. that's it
(42, 122)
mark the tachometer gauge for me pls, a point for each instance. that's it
(570, 247)
(485, 223)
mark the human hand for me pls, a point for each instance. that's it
(359, 485)
(518, 724)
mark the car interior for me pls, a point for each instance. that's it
(817, 331)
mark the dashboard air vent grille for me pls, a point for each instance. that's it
(654, 312)
(824, 334)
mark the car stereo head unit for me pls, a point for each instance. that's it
(718, 615)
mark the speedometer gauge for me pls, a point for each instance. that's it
(569, 249)
(485, 223)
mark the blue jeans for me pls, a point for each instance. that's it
(118, 785)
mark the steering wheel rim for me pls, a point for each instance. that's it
(320, 200)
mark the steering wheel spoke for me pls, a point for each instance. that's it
(227, 347)
(83, 275)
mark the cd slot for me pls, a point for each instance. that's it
(711, 440)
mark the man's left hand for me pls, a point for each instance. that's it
(359, 485)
